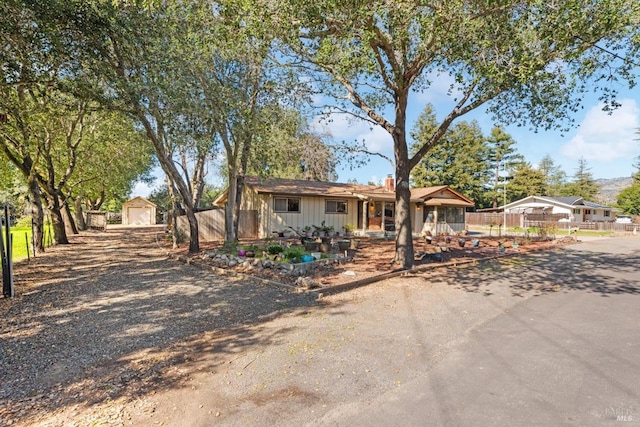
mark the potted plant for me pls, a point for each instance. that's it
(324, 230)
(343, 245)
(348, 230)
(306, 231)
(311, 246)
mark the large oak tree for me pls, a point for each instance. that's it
(526, 60)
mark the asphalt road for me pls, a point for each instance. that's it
(566, 357)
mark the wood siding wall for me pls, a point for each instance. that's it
(312, 212)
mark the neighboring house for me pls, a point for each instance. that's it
(283, 203)
(575, 209)
(138, 211)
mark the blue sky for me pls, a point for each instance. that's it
(607, 141)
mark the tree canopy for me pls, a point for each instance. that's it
(529, 62)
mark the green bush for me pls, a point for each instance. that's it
(294, 252)
(24, 221)
(274, 249)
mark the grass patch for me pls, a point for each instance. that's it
(20, 241)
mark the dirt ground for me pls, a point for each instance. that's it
(110, 331)
(374, 256)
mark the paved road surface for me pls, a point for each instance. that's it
(566, 358)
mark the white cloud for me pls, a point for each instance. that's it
(342, 127)
(141, 189)
(438, 90)
(603, 137)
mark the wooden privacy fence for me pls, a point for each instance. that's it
(487, 219)
(211, 224)
(534, 220)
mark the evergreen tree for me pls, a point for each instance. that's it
(636, 175)
(629, 198)
(583, 184)
(526, 181)
(460, 161)
(555, 177)
(503, 155)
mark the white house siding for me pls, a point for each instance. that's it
(554, 210)
(561, 210)
(312, 212)
(598, 215)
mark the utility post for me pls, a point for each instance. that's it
(504, 200)
(5, 254)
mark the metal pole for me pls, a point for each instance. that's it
(3, 258)
(504, 201)
(26, 241)
(7, 275)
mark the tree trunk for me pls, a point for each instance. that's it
(174, 213)
(230, 235)
(404, 238)
(168, 166)
(244, 160)
(57, 222)
(193, 229)
(78, 214)
(37, 215)
(69, 223)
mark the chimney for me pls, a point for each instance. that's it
(389, 183)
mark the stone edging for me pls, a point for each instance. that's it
(331, 290)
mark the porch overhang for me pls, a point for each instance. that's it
(448, 202)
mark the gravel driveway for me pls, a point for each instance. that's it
(108, 316)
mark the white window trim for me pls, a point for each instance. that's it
(287, 199)
(346, 206)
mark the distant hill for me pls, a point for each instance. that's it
(610, 188)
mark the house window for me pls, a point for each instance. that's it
(587, 211)
(576, 211)
(286, 204)
(335, 206)
(607, 214)
(451, 215)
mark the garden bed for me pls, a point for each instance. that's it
(373, 257)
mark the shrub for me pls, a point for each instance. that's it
(274, 249)
(294, 252)
(25, 221)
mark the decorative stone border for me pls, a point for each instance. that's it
(309, 286)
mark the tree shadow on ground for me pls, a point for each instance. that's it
(558, 270)
(110, 317)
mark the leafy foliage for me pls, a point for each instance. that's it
(583, 184)
(555, 177)
(526, 181)
(460, 160)
(529, 62)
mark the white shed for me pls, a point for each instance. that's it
(138, 211)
